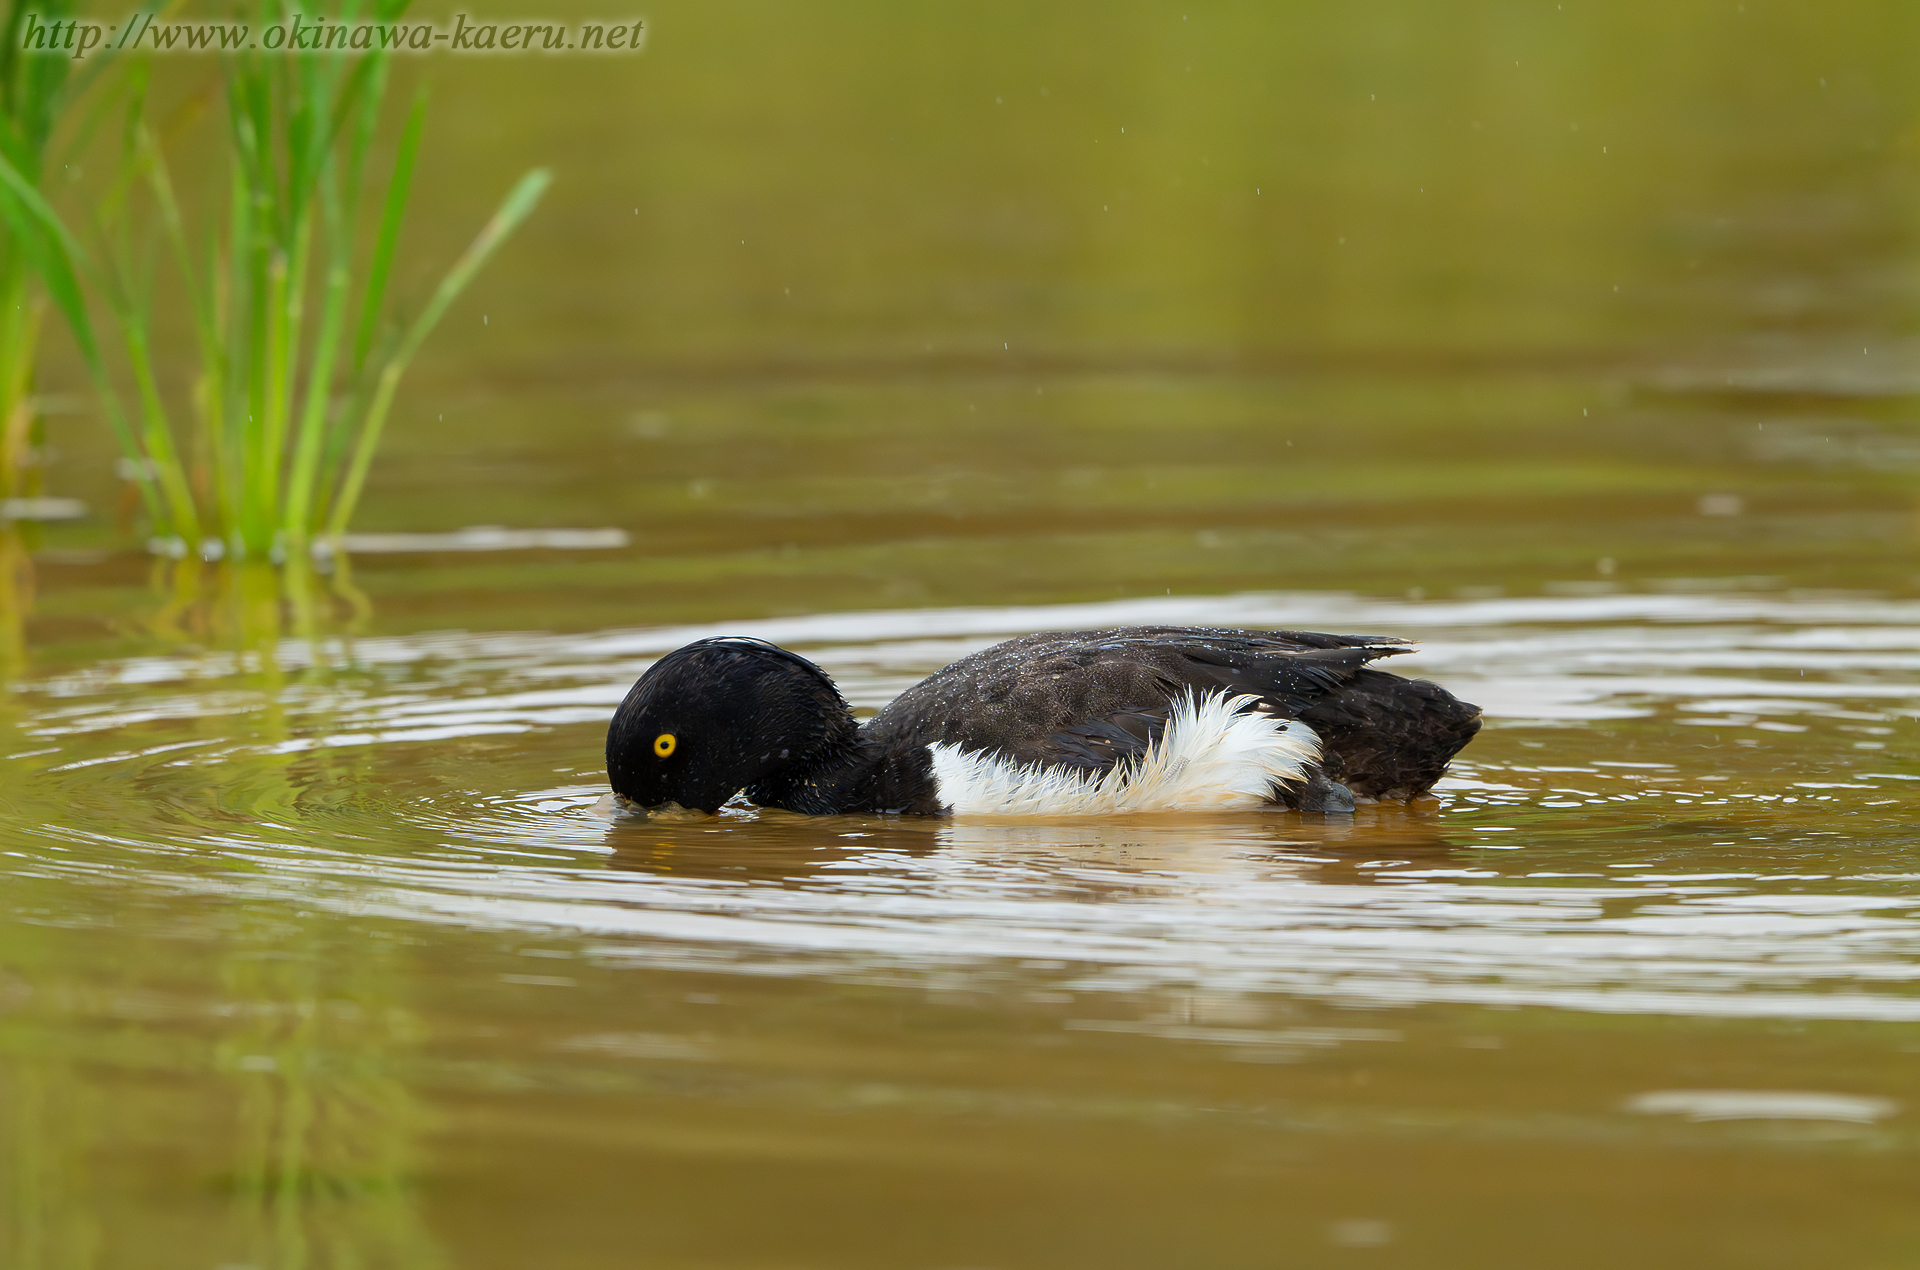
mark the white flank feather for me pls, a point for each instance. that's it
(1214, 755)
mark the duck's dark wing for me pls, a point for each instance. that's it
(1088, 699)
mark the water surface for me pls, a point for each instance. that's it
(1571, 342)
(333, 943)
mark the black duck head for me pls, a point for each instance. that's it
(714, 717)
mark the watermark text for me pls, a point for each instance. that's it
(142, 32)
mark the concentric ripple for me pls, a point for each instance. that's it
(1693, 804)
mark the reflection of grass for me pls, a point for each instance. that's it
(299, 351)
(319, 1161)
(49, 1110)
(45, 1220)
(16, 598)
(247, 603)
(326, 1125)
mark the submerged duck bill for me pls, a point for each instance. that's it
(1076, 723)
(659, 811)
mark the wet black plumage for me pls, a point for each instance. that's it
(746, 715)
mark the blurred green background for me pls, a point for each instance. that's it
(853, 304)
(1187, 188)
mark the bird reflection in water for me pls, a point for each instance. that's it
(765, 845)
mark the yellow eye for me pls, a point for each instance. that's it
(663, 744)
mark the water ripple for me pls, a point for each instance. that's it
(1627, 837)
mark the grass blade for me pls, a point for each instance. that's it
(303, 482)
(515, 208)
(43, 238)
(396, 210)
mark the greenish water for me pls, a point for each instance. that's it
(878, 337)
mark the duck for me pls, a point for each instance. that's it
(1123, 721)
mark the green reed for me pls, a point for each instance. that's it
(299, 346)
(32, 92)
